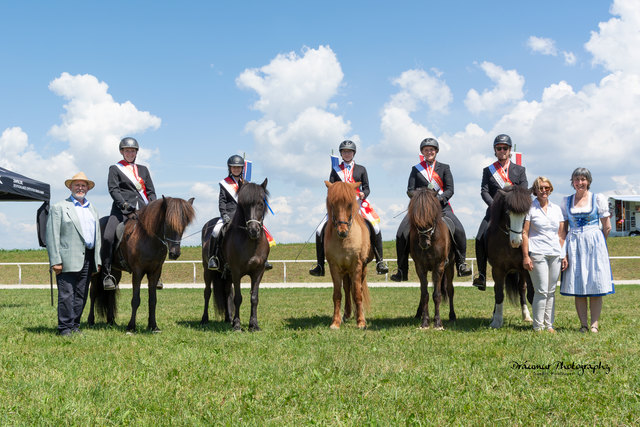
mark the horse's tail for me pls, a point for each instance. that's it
(106, 301)
(220, 291)
(444, 290)
(512, 285)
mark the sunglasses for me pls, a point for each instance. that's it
(544, 188)
(503, 148)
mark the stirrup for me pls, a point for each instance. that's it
(109, 283)
(480, 282)
(381, 267)
(213, 264)
(463, 270)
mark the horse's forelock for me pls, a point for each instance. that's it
(250, 193)
(341, 193)
(177, 215)
(517, 200)
(424, 209)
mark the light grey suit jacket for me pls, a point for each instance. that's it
(65, 242)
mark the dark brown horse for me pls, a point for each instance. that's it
(348, 251)
(144, 247)
(244, 251)
(432, 250)
(504, 238)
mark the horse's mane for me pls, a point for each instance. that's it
(424, 209)
(341, 193)
(514, 199)
(178, 214)
(250, 193)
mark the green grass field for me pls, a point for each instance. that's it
(298, 371)
(296, 272)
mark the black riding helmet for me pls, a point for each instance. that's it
(502, 139)
(129, 142)
(235, 160)
(347, 145)
(430, 142)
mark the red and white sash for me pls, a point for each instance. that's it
(231, 186)
(500, 174)
(130, 170)
(366, 210)
(430, 174)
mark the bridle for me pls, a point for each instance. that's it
(336, 223)
(427, 234)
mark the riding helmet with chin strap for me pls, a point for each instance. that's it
(347, 145)
(235, 160)
(502, 139)
(129, 142)
(430, 142)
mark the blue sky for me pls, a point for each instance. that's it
(285, 82)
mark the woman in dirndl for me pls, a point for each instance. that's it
(587, 271)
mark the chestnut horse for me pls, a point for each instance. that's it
(432, 250)
(144, 247)
(244, 251)
(348, 251)
(504, 238)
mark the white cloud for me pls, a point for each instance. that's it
(615, 45)
(569, 58)
(508, 89)
(542, 45)
(418, 86)
(290, 84)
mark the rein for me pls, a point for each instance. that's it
(428, 233)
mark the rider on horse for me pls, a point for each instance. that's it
(435, 175)
(496, 176)
(349, 171)
(131, 188)
(227, 204)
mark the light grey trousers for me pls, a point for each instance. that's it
(546, 270)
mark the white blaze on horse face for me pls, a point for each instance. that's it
(515, 229)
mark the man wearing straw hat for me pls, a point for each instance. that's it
(73, 243)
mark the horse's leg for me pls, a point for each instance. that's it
(499, 279)
(346, 285)
(255, 286)
(437, 295)
(522, 285)
(237, 300)
(356, 283)
(136, 278)
(448, 276)
(153, 299)
(337, 297)
(423, 307)
(207, 296)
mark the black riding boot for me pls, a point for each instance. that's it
(480, 281)
(381, 266)
(318, 269)
(106, 253)
(403, 260)
(214, 262)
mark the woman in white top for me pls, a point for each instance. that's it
(588, 274)
(542, 240)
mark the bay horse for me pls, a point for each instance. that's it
(348, 251)
(504, 238)
(431, 248)
(244, 251)
(144, 246)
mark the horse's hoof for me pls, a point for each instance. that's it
(496, 325)
(130, 332)
(362, 327)
(155, 331)
(423, 327)
(254, 328)
(334, 327)
(438, 328)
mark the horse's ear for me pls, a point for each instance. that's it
(328, 184)
(501, 191)
(191, 200)
(355, 185)
(264, 184)
(164, 199)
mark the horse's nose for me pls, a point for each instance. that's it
(174, 253)
(343, 234)
(516, 241)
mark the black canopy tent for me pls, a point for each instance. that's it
(15, 188)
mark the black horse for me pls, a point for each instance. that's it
(244, 251)
(504, 240)
(432, 250)
(144, 247)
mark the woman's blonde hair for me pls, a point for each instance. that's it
(538, 181)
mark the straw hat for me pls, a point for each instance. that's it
(80, 176)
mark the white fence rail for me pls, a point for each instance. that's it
(198, 263)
